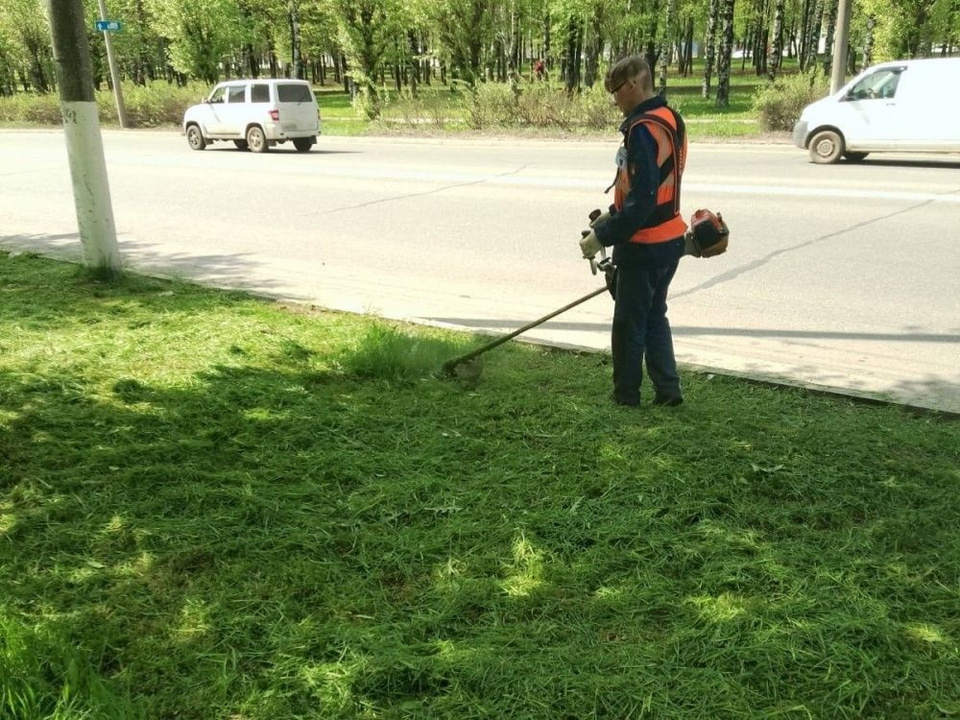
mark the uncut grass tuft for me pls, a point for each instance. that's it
(398, 356)
(215, 506)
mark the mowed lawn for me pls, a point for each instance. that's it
(214, 506)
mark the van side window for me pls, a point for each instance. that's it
(880, 85)
(290, 93)
(236, 94)
(260, 93)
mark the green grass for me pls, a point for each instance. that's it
(215, 506)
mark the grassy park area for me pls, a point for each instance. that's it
(216, 506)
(538, 109)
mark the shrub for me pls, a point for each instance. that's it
(778, 104)
(415, 111)
(155, 105)
(539, 105)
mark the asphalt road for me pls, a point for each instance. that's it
(838, 277)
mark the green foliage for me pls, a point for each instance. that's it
(158, 104)
(31, 109)
(201, 35)
(778, 104)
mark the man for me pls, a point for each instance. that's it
(646, 231)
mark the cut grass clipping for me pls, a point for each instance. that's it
(217, 507)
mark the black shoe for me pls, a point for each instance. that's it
(668, 400)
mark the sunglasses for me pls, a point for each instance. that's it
(615, 90)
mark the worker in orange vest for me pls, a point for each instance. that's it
(646, 231)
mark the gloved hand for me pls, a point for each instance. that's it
(589, 244)
(601, 218)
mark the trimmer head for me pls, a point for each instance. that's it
(463, 368)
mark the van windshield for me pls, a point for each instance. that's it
(293, 93)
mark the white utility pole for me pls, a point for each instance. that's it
(114, 72)
(81, 125)
(841, 40)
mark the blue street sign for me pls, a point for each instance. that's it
(109, 25)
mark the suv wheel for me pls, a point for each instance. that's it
(303, 144)
(195, 138)
(256, 140)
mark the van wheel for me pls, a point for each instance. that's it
(303, 144)
(855, 156)
(241, 144)
(256, 140)
(195, 138)
(826, 147)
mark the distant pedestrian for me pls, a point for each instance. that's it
(539, 69)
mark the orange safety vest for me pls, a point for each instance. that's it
(665, 222)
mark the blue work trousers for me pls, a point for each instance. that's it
(641, 332)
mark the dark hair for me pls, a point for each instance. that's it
(626, 68)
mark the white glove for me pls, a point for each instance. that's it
(590, 245)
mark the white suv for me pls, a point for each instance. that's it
(255, 114)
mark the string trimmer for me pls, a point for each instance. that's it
(467, 366)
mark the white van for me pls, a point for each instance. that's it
(905, 106)
(255, 115)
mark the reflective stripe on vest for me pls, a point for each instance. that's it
(665, 222)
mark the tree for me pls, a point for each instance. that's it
(666, 44)
(363, 33)
(726, 51)
(201, 35)
(27, 34)
(776, 42)
(712, 22)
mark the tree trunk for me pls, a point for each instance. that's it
(666, 45)
(711, 47)
(831, 32)
(776, 49)
(296, 60)
(574, 45)
(594, 48)
(726, 50)
(813, 43)
(414, 62)
(546, 42)
(868, 42)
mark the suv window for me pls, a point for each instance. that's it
(236, 94)
(260, 93)
(293, 93)
(218, 95)
(881, 84)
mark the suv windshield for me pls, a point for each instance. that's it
(293, 93)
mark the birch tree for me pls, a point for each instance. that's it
(712, 22)
(726, 51)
